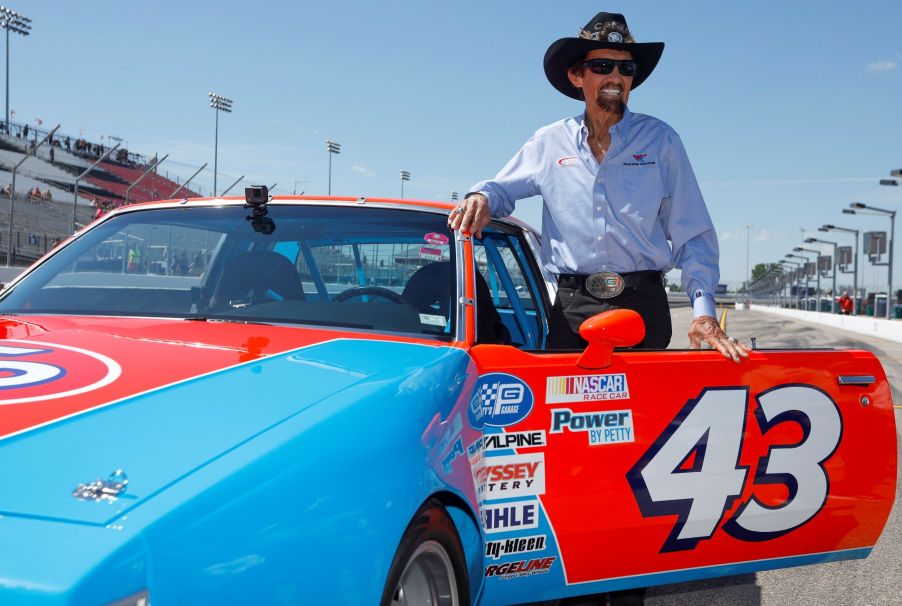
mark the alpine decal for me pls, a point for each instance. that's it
(506, 441)
(33, 374)
(499, 400)
(586, 388)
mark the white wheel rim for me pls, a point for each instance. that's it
(428, 579)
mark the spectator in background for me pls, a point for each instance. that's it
(68, 145)
(25, 131)
(7, 191)
(845, 303)
(52, 155)
(48, 195)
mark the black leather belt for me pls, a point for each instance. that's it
(608, 284)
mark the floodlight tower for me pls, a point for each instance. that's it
(219, 104)
(405, 176)
(17, 23)
(856, 208)
(333, 148)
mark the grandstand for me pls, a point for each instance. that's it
(45, 187)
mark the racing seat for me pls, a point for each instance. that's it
(255, 277)
(430, 290)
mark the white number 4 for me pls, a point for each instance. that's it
(711, 429)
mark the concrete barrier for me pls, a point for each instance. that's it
(866, 325)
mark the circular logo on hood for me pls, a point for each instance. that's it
(32, 371)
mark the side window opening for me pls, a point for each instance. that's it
(510, 291)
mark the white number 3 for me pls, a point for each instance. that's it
(711, 429)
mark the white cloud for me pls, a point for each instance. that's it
(881, 66)
(732, 235)
(765, 235)
(363, 170)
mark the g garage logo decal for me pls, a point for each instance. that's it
(33, 372)
(499, 400)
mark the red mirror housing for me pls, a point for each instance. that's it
(607, 330)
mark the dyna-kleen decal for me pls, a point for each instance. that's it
(34, 372)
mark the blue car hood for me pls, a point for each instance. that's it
(164, 434)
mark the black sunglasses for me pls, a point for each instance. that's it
(603, 67)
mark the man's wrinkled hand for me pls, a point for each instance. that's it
(706, 328)
(471, 215)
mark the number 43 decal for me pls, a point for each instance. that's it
(712, 428)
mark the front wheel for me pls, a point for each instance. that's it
(429, 568)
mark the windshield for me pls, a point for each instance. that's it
(357, 267)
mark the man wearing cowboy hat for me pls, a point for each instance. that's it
(621, 203)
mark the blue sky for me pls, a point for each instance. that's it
(789, 110)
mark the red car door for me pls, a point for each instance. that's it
(603, 470)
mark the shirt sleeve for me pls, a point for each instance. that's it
(688, 226)
(517, 180)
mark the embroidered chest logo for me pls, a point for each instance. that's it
(568, 161)
(640, 160)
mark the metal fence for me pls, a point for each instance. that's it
(37, 225)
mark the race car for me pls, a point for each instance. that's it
(308, 400)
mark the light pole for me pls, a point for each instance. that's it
(14, 22)
(79, 178)
(748, 275)
(855, 208)
(219, 104)
(817, 254)
(828, 227)
(333, 148)
(453, 196)
(804, 270)
(835, 263)
(795, 278)
(405, 176)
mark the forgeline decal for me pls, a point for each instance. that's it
(604, 427)
(499, 400)
(41, 372)
(504, 441)
(518, 515)
(514, 546)
(520, 568)
(510, 476)
(586, 388)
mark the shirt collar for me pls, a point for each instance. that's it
(622, 128)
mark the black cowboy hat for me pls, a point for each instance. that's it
(605, 30)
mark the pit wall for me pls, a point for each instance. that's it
(865, 325)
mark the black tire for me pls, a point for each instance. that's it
(429, 567)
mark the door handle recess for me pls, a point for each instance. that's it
(856, 380)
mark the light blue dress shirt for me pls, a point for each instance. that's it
(619, 214)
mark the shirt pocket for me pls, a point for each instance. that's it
(638, 192)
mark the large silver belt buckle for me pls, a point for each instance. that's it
(605, 284)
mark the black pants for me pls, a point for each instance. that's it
(574, 305)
